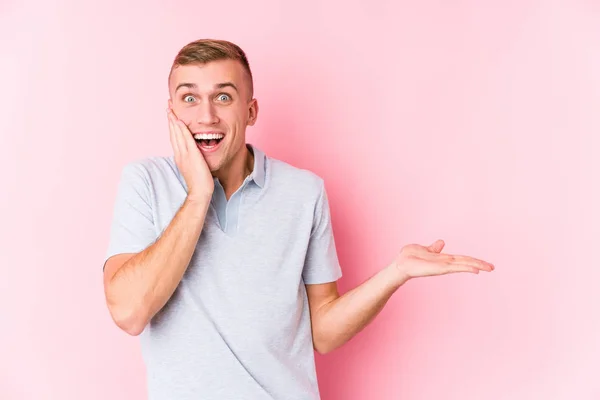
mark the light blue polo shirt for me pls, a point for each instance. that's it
(238, 325)
(227, 211)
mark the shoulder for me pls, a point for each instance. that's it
(298, 181)
(148, 169)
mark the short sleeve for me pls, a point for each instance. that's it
(321, 263)
(132, 227)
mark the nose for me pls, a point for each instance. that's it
(207, 114)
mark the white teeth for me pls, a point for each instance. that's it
(208, 136)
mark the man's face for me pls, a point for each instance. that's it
(213, 100)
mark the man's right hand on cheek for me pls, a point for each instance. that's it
(190, 160)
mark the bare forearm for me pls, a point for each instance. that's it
(340, 320)
(143, 285)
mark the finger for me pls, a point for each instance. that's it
(187, 135)
(172, 136)
(436, 246)
(470, 261)
(454, 268)
(171, 113)
(182, 133)
(179, 137)
(173, 140)
(176, 130)
(474, 262)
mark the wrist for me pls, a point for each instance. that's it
(199, 204)
(397, 275)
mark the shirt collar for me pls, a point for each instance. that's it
(258, 172)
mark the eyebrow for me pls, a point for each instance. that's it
(217, 86)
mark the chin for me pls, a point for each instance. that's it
(214, 165)
(213, 168)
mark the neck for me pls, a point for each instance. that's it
(232, 176)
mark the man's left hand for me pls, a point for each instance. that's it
(416, 261)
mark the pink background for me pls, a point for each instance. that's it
(475, 122)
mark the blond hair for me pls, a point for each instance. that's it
(203, 51)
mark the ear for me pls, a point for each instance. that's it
(170, 103)
(252, 112)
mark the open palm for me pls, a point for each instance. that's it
(416, 261)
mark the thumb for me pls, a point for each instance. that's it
(436, 246)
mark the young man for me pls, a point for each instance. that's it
(223, 258)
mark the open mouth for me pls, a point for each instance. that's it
(208, 141)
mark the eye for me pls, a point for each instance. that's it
(188, 98)
(223, 97)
